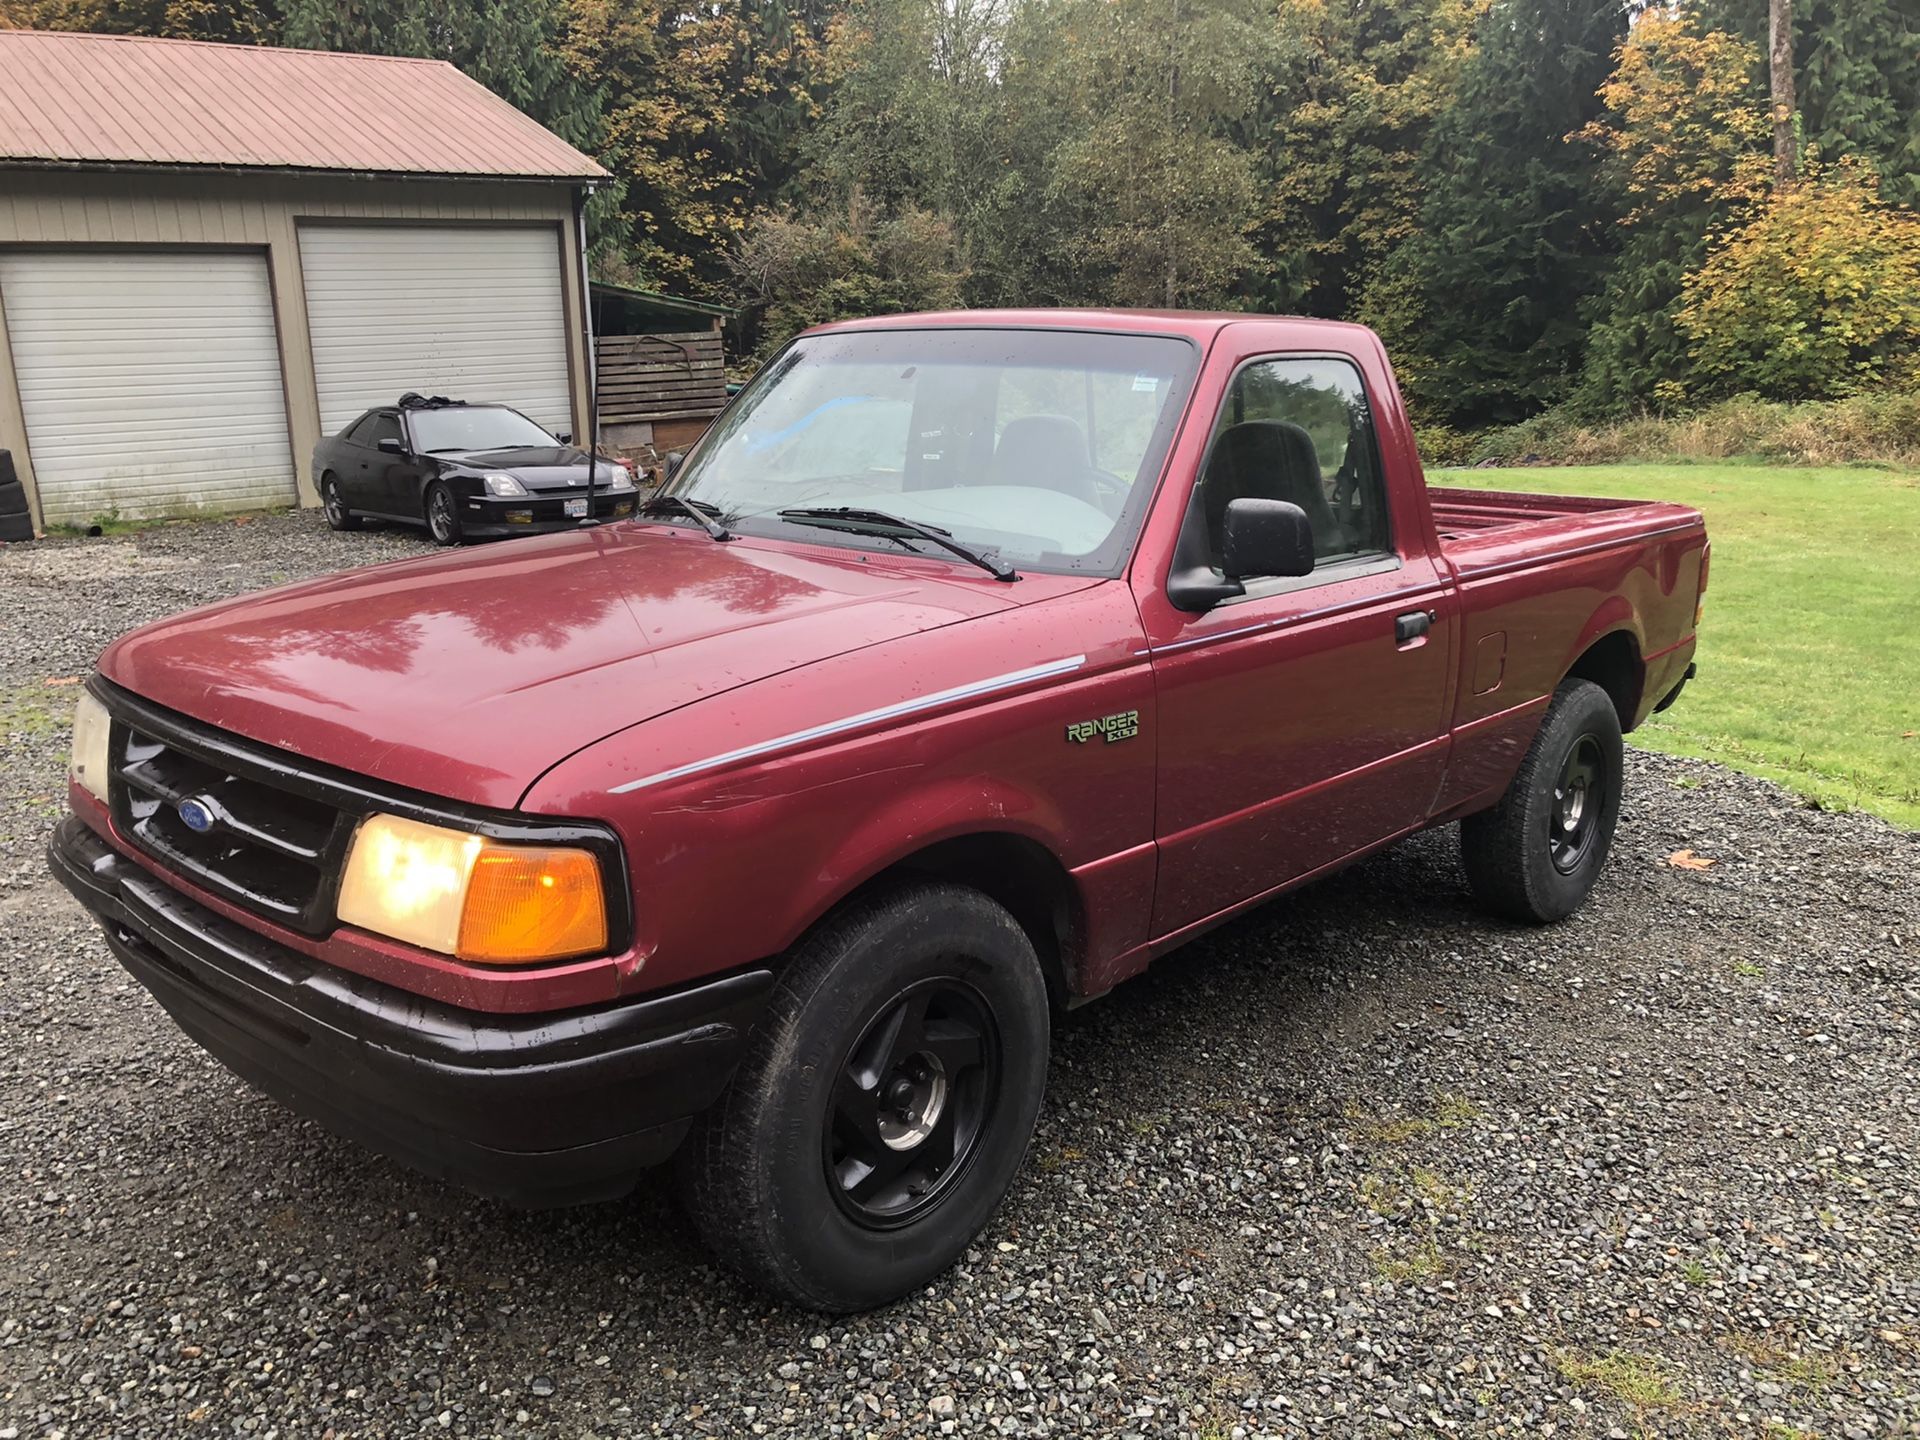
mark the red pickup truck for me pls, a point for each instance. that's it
(969, 664)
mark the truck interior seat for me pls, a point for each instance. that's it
(1048, 452)
(1267, 460)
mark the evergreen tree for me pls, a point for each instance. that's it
(1484, 306)
(1858, 79)
(1354, 93)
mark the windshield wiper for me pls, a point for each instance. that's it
(857, 521)
(698, 510)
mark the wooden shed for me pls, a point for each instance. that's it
(661, 368)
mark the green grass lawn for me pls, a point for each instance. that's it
(1810, 649)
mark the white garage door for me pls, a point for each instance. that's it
(150, 381)
(473, 312)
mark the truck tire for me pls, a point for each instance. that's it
(1535, 856)
(13, 498)
(15, 528)
(884, 1106)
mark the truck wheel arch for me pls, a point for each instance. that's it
(1612, 661)
(1016, 871)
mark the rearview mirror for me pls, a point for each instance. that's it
(1264, 538)
(391, 446)
(565, 437)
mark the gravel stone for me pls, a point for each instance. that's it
(1364, 1162)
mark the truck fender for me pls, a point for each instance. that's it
(925, 816)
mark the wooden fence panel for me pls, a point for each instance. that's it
(661, 377)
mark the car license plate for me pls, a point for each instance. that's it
(576, 509)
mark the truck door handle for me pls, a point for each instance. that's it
(1411, 626)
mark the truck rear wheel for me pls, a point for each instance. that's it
(885, 1106)
(1535, 856)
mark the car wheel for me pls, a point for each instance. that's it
(443, 517)
(1536, 855)
(335, 506)
(885, 1104)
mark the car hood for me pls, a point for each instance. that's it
(467, 675)
(538, 467)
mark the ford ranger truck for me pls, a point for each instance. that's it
(968, 665)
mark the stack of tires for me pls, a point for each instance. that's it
(15, 522)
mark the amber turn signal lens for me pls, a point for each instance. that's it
(530, 902)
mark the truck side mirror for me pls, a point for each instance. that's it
(1266, 537)
(1260, 538)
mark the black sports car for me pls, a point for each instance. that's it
(464, 471)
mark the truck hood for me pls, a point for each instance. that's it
(467, 675)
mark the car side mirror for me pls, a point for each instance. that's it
(1259, 539)
(1264, 538)
(391, 446)
(565, 437)
(674, 460)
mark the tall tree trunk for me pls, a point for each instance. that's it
(1780, 63)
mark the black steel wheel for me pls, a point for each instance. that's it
(1536, 855)
(884, 1105)
(1574, 821)
(443, 518)
(910, 1102)
(334, 504)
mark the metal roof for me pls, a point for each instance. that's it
(660, 300)
(129, 100)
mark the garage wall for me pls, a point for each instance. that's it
(150, 208)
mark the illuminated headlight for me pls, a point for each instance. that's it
(504, 485)
(90, 729)
(475, 898)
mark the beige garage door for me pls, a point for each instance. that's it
(473, 312)
(150, 381)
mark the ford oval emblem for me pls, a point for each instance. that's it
(196, 815)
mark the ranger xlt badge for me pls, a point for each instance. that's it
(1123, 726)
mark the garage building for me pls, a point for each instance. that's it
(212, 254)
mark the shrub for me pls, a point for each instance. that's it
(1444, 445)
(1880, 428)
(1817, 296)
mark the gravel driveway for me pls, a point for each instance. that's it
(1364, 1163)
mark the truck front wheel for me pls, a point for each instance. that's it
(885, 1105)
(1535, 856)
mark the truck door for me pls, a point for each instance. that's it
(1305, 720)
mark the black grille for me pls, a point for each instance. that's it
(270, 850)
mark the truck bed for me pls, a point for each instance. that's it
(1482, 530)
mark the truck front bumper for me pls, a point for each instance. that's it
(533, 1110)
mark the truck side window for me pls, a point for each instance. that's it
(1300, 430)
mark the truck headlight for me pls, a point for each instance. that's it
(91, 726)
(471, 897)
(501, 484)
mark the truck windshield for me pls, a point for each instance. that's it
(1037, 446)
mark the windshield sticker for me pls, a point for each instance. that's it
(1146, 384)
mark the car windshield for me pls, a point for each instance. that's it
(474, 427)
(1038, 446)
